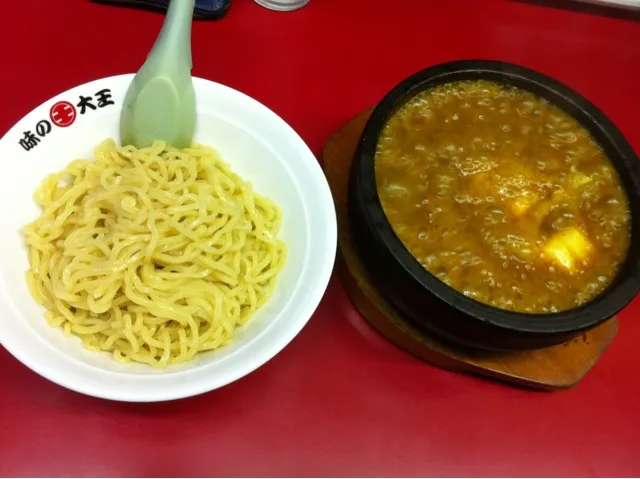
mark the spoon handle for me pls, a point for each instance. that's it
(160, 102)
(173, 45)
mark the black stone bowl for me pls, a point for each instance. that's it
(430, 304)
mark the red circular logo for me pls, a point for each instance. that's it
(63, 114)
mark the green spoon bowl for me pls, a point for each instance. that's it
(160, 103)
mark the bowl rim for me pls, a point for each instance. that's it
(69, 372)
(627, 283)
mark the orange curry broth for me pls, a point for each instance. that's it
(503, 196)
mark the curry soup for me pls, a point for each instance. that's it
(503, 196)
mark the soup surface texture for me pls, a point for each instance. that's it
(503, 196)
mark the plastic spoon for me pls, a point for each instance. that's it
(160, 103)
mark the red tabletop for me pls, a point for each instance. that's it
(339, 400)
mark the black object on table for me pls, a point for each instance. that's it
(204, 10)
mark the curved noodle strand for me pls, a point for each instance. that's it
(154, 254)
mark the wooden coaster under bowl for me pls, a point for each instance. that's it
(557, 367)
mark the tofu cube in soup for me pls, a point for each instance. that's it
(569, 249)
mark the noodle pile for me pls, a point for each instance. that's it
(153, 254)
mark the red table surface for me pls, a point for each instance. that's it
(340, 400)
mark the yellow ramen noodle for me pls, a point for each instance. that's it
(154, 254)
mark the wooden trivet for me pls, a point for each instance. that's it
(558, 367)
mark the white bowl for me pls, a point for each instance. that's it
(258, 145)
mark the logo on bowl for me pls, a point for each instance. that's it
(64, 114)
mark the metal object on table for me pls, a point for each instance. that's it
(624, 4)
(282, 5)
